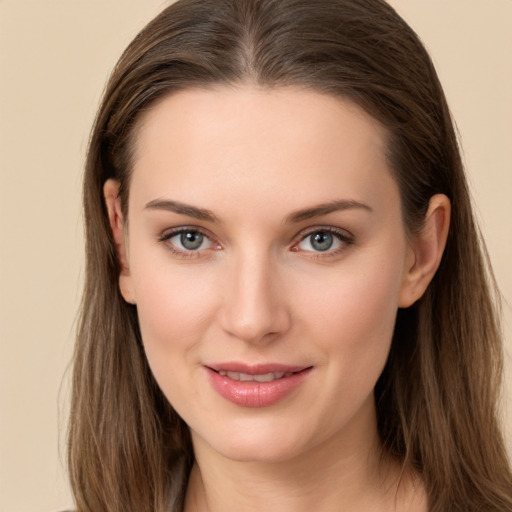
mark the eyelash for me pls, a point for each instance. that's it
(186, 254)
(344, 238)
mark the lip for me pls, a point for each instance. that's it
(255, 369)
(255, 394)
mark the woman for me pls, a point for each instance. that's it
(287, 306)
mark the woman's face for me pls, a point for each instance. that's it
(266, 255)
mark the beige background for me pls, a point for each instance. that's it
(55, 56)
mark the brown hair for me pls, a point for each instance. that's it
(436, 399)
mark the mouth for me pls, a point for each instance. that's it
(247, 377)
(256, 386)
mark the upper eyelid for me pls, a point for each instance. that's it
(170, 232)
(344, 233)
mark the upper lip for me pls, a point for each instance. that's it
(255, 369)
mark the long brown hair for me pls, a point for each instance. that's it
(436, 399)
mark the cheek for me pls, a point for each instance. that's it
(352, 316)
(351, 320)
(356, 297)
(174, 314)
(175, 305)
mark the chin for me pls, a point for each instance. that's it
(272, 452)
(257, 442)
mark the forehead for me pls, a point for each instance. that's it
(210, 145)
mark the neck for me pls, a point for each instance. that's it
(346, 472)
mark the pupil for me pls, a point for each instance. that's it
(191, 240)
(322, 241)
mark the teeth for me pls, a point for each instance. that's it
(245, 377)
(268, 377)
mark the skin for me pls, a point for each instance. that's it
(258, 290)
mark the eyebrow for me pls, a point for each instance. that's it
(326, 208)
(183, 209)
(293, 218)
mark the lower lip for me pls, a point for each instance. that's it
(256, 394)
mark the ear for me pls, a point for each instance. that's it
(426, 251)
(115, 217)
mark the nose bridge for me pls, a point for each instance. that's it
(255, 309)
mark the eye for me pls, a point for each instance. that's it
(323, 240)
(189, 240)
(186, 242)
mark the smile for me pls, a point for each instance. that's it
(260, 386)
(247, 377)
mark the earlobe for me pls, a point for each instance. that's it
(427, 249)
(115, 217)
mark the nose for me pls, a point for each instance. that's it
(255, 306)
